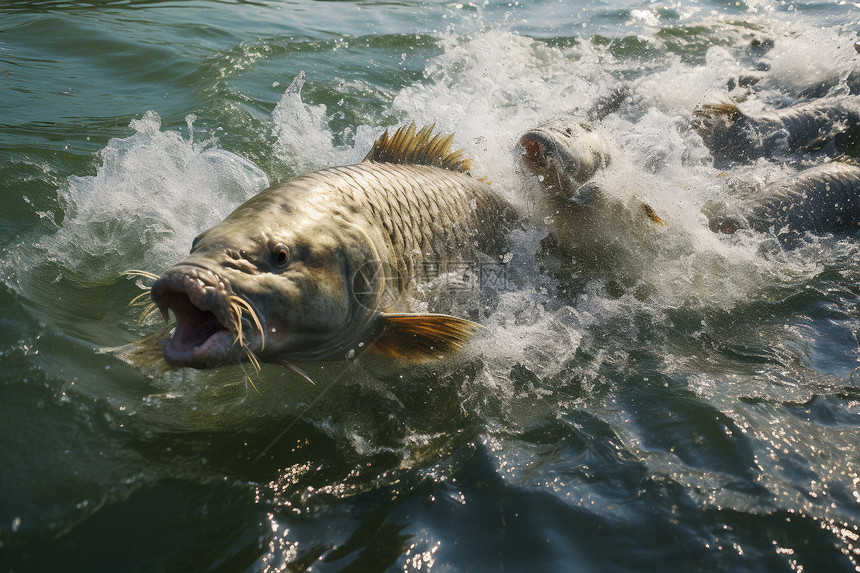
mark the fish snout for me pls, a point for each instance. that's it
(204, 289)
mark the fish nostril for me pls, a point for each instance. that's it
(237, 254)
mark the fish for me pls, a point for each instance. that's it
(829, 125)
(824, 199)
(320, 266)
(594, 229)
(565, 153)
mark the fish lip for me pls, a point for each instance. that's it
(204, 336)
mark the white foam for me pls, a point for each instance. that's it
(155, 190)
(492, 86)
(301, 130)
(152, 193)
(797, 64)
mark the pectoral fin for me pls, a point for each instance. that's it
(421, 337)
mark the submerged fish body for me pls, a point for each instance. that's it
(731, 135)
(602, 228)
(593, 228)
(824, 199)
(821, 200)
(318, 265)
(597, 231)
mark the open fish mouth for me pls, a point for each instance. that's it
(536, 149)
(205, 332)
(544, 158)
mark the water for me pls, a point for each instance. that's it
(702, 413)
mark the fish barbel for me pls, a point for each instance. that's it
(319, 265)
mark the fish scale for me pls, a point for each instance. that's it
(400, 210)
(821, 199)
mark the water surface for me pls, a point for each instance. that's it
(702, 415)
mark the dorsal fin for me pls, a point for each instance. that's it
(652, 214)
(728, 110)
(421, 148)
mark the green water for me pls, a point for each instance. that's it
(704, 418)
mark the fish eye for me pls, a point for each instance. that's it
(280, 254)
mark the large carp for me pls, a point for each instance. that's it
(565, 155)
(593, 229)
(317, 266)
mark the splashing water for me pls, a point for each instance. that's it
(715, 387)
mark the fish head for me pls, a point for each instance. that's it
(564, 153)
(252, 291)
(725, 131)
